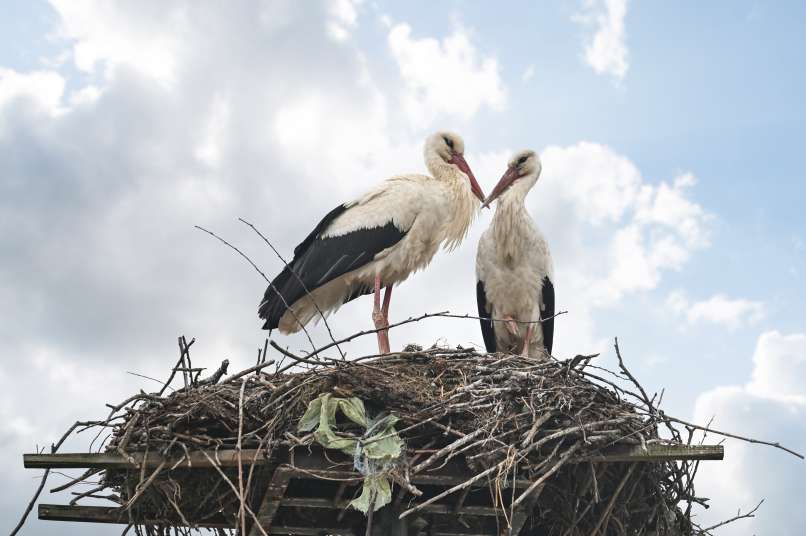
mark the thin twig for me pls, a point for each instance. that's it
(255, 266)
(749, 514)
(301, 282)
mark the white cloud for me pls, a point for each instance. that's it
(86, 95)
(146, 36)
(602, 183)
(606, 50)
(210, 148)
(771, 406)
(779, 370)
(642, 229)
(447, 77)
(718, 309)
(528, 73)
(343, 18)
(43, 89)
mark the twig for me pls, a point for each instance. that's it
(447, 450)
(554, 468)
(250, 370)
(301, 282)
(606, 514)
(255, 266)
(448, 315)
(144, 485)
(53, 449)
(663, 417)
(217, 467)
(242, 515)
(749, 514)
(173, 372)
(217, 375)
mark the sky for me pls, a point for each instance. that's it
(671, 196)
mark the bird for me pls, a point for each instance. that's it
(514, 269)
(376, 241)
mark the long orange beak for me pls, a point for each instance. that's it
(460, 162)
(505, 182)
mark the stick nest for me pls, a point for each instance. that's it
(501, 416)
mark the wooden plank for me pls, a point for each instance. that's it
(103, 460)
(229, 458)
(272, 499)
(657, 453)
(521, 515)
(107, 514)
(103, 514)
(442, 509)
(308, 531)
(337, 466)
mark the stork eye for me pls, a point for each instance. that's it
(448, 141)
(522, 160)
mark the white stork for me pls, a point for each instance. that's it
(376, 241)
(514, 270)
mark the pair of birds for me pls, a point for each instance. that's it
(395, 229)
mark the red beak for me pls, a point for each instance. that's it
(506, 180)
(460, 162)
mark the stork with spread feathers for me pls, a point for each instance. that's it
(376, 241)
(514, 271)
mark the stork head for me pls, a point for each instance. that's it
(522, 172)
(449, 148)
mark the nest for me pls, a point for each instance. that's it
(500, 418)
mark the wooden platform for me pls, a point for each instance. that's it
(306, 491)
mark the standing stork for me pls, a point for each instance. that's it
(514, 271)
(376, 241)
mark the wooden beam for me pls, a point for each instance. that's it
(272, 499)
(309, 531)
(104, 514)
(108, 514)
(104, 460)
(229, 458)
(522, 513)
(460, 500)
(656, 452)
(444, 509)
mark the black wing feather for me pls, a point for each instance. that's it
(487, 330)
(320, 260)
(547, 314)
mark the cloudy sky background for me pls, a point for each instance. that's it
(672, 193)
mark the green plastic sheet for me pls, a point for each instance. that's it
(374, 453)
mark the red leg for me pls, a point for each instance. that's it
(527, 340)
(511, 325)
(378, 318)
(387, 298)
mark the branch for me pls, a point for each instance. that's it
(44, 479)
(749, 514)
(307, 292)
(662, 416)
(271, 284)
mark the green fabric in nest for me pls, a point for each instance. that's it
(376, 451)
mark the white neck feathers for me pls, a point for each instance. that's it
(509, 223)
(464, 204)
